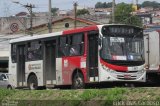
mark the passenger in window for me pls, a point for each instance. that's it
(30, 55)
(74, 50)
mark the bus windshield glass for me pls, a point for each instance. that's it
(123, 47)
(119, 48)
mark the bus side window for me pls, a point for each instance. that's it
(63, 46)
(14, 53)
(77, 44)
(34, 51)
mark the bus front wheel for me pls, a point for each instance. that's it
(78, 81)
(32, 82)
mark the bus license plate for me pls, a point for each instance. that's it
(127, 76)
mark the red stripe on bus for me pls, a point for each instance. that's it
(114, 67)
(79, 30)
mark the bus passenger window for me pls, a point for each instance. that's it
(71, 45)
(34, 51)
(63, 47)
(77, 44)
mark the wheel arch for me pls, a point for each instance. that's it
(32, 73)
(75, 71)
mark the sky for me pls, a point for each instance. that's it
(8, 8)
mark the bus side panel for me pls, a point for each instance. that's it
(13, 74)
(35, 67)
(70, 64)
(12, 71)
(151, 42)
(59, 71)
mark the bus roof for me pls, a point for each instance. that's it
(29, 37)
(78, 30)
(65, 32)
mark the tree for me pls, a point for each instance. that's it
(103, 5)
(153, 4)
(82, 12)
(123, 15)
(109, 5)
(98, 5)
(54, 11)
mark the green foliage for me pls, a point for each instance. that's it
(104, 94)
(153, 4)
(4, 93)
(84, 97)
(54, 11)
(103, 5)
(123, 15)
(82, 12)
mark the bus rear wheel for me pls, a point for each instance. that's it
(32, 82)
(78, 81)
(9, 87)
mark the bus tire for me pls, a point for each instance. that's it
(32, 82)
(78, 81)
(9, 87)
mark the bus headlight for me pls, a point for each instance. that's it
(141, 71)
(112, 71)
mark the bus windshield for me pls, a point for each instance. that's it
(122, 48)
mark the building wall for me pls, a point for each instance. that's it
(59, 26)
(24, 23)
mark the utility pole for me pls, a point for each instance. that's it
(50, 17)
(113, 11)
(30, 7)
(75, 14)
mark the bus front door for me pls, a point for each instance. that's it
(21, 66)
(50, 63)
(92, 57)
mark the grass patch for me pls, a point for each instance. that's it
(4, 93)
(97, 97)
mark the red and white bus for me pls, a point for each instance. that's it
(100, 53)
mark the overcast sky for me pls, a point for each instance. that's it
(7, 8)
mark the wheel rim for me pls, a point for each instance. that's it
(78, 82)
(33, 83)
(32, 86)
(9, 87)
